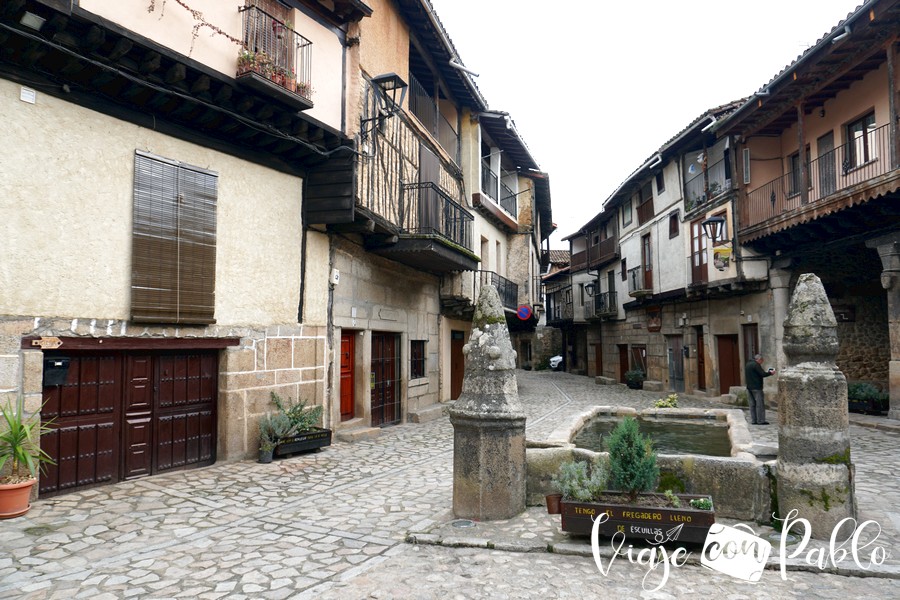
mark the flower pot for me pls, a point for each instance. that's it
(313, 439)
(553, 503)
(265, 456)
(649, 519)
(14, 498)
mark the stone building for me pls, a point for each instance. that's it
(202, 206)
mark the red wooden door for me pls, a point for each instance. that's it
(729, 362)
(457, 363)
(701, 360)
(699, 260)
(385, 378)
(624, 365)
(348, 347)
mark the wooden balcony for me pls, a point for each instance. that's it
(849, 175)
(596, 256)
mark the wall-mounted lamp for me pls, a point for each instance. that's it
(589, 288)
(390, 91)
(714, 228)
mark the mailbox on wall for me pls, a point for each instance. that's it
(56, 370)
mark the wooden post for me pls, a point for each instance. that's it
(801, 153)
(892, 106)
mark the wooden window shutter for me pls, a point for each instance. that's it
(173, 242)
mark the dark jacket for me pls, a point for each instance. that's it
(754, 373)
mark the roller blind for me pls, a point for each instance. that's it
(173, 242)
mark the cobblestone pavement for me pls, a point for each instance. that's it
(334, 524)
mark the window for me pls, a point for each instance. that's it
(624, 270)
(660, 183)
(626, 213)
(417, 359)
(860, 142)
(674, 225)
(173, 252)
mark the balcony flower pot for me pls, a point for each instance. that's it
(20, 447)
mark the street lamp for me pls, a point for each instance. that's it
(714, 228)
(388, 86)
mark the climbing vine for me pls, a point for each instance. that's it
(200, 22)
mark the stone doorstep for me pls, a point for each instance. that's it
(357, 434)
(428, 413)
(582, 547)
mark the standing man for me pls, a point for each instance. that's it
(754, 375)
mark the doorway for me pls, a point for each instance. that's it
(457, 363)
(124, 415)
(623, 361)
(701, 359)
(676, 362)
(348, 352)
(729, 362)
(385, 379)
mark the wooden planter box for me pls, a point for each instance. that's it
(304, 442)
(656, 524)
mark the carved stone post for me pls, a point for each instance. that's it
(488, 422)
(815, 475)
(889, 250)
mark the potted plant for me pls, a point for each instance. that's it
(20, 447)
(629, 505)
(634, 379)
(246, 62)
(304, 432)
(272, 427)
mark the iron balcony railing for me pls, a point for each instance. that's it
(707, 185)
(603, 304)
(426, 209)
(559, 308)
(423, 106)
(499, 192)
(852, 164)
(636, 284)
(508, 291)
(275, 51)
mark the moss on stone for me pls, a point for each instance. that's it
(838, 458)
(670, 481)
(775, 522)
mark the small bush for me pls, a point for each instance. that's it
(574, 481)
(670, 401)
(300, 417)
(701, 503)
(672, 498)
(632, 460)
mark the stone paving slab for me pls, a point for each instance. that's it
(334, 524)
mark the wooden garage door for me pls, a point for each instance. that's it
(125, 415)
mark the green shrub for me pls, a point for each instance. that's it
(670, 401)
(632, 460)
(672, 498)
(574, 481)
(701, 503)
(300, 417)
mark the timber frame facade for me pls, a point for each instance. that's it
(217, 218)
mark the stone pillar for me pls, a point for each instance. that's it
(488, 422)
(815, 475)
(779, 282)
(888, 247)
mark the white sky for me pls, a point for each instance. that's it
(595, 87)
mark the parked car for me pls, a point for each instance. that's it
(556, 363)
